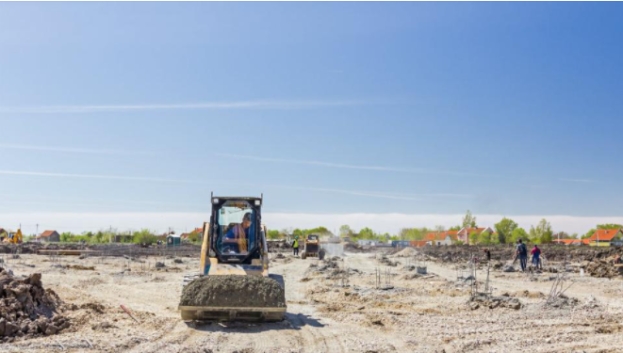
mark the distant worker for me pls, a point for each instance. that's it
(536, 257)
(488, 255)
(295, 246)
(522, 254)
(239, 233)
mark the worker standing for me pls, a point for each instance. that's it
(295, 246)
(536, 257)
(522, 254)
(488, 255)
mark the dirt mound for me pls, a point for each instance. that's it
(27, 309)
(491, 302)
(354, 248)
(387, 262)
(406, 252)
(603, 269)
(233, 291)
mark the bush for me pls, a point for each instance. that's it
(144, 236)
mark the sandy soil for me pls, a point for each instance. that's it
(327, 310)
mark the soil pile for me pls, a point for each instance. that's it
(604, 269)
(277, 245)
(27, 309)
(233, 291)
(354, 248)
(406, 252)
(491, 302)
(387, 262)
(561, 302)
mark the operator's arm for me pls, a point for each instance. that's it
(230, 233)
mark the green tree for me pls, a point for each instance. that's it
(273, 234)
(346, 231)
(297, 233)
(367, 234)
(457, 227)
(66, 237)
(194, 236)
(518, 233)
(505, 228)
(473, 238)
(413, 233)
(469, 221)
(542, 233)
(484, 238)
(609, 226)
(144, 236)
(98, 237)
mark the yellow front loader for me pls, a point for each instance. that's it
(233, 282)
(14, 238)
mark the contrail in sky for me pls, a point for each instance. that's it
(69, 149)
(250, 104)
(351, 166)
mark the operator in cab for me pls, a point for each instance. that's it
(239, 234)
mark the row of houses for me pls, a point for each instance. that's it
(46, 236)
(54, 236)
(601, 237)
(450, 237)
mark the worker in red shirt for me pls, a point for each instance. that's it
(536, 257)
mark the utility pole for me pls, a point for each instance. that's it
(37, 231)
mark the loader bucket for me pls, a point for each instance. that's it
(233, 298)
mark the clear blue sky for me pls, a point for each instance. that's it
(414, 108)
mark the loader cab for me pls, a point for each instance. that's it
(236, 234)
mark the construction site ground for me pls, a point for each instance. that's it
(361, 302)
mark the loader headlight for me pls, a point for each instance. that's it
(258, 203)
(215, 201)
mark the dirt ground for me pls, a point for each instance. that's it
(333, 306)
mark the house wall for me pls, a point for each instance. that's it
(54, 238)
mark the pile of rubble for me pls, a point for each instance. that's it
(562, 301)
(482, 300)
(387, 262)
(603, 268)
(27, 309)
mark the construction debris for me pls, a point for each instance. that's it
(387, 262)
(603, 268)
(491, 302)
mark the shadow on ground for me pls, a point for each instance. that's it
(291, 322)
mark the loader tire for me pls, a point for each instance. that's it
(321, 255)
(303, 255)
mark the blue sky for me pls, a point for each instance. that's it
(116, 109)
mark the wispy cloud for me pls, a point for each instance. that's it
(69, 149)
(577, 180)
(376, 194)
(229, 105)
(90, 176)
(373, 194)
(351, 166)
